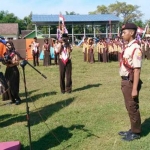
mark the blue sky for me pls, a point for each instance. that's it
(22, 8)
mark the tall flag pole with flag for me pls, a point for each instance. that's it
(145, 30)
(62, 28)
(61, 18)
(110, 29)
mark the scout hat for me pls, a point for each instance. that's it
(129, 26)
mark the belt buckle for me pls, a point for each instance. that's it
(125, 78)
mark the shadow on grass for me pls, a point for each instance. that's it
(146, 127)
(38, 96)
(2, 117)
(87, 87)
(28, 93)
(57, 137)
(38, 115)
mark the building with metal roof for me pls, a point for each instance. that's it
(75, 19)
(93, 20)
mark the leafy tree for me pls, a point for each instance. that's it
(139, 23)
(71, 13)
(127, 12)
(6, 17)
(28, 22)
(102, 9)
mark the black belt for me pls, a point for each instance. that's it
(125, 77)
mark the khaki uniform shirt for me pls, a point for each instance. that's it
(91, 47)
(110, 48)
(115, 46)
(134, 59)
(85, 46)
(100, 47)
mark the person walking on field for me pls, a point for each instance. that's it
(130, 68)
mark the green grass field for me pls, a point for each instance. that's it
(87, 119)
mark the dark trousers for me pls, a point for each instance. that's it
(13, 78)
(47, 58)
(132, 105)
(36, 59)
(105, 56)
(100, 57)
(119, 56)
(65, 71)
(85, 55)
(91, 57)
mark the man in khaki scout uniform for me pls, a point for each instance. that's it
(130, 68)
(91, 51)
(85, 49)
(115, 45)
(100, 47)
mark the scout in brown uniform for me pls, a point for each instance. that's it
(85, 47)
(143, 47)
(105, 51)
(91, 51)
(100, 47)
(111, 50)
(35, 51)
(65, 65)
(146, 48)
(115, 45)
(130, 68)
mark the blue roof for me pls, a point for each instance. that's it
(75, 18)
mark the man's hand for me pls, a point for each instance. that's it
(134, 93)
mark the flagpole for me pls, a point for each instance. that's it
(145, 30)
(110, 29)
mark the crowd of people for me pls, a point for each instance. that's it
(62, 56)
(128, 50)
(110, 49)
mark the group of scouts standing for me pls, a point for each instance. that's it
(107, 51)
(110, 50)
(145, 47)
(46, 48)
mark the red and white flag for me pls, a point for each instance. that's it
(145, 30)
(61, 18)
(140, 30)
